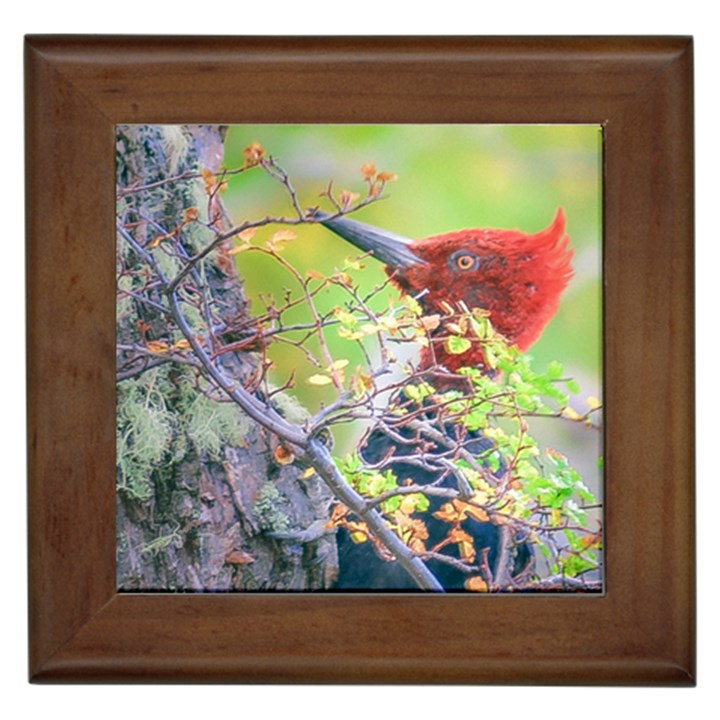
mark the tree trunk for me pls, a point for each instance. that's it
(204, 501)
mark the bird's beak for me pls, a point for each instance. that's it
(393, 250)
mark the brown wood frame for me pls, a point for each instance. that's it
(642, 631)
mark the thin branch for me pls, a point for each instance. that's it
(319, 457)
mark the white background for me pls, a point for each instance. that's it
(361, 17)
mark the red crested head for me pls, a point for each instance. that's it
(516, 277)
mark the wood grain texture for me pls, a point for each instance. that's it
(642, 631)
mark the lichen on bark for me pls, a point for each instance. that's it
(200, 493)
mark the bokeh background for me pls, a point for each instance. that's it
(449, 177)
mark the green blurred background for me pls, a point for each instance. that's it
(449, 177)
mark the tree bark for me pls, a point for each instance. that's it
(197, 517)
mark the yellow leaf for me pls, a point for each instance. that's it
(158, 346)
(570, 414)
(407, 505)
(477, 513)
(593, 403)
(319, 380)
(308, 473)
(389, 324)
(314, 275)
(413, 306)
(344, 316)
(348, 334)
(358, 531)
(160, 238)
(339, 364)
(342, 278)
(182, 344)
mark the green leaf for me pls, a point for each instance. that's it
(457, 345)
(554, 370)
(572, 387)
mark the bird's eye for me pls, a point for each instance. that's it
(463, 260)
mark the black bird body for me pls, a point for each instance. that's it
(361, 565)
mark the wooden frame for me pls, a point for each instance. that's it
(642, 631)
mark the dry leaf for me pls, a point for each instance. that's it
(347, 198)
(360, 383)
(338, 514)
(208, 177)
(464, 541)
(190, 214)
(247, 234)
(555, 455)
(283, 456)
(429, 322)
(342, 278)
(279, 238)
(160, 238)
(283, 236)
(386, 176)
(476, 584)
(253, 154)
(368, 170)
(448, 513)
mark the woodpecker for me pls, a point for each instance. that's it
(518, 279)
